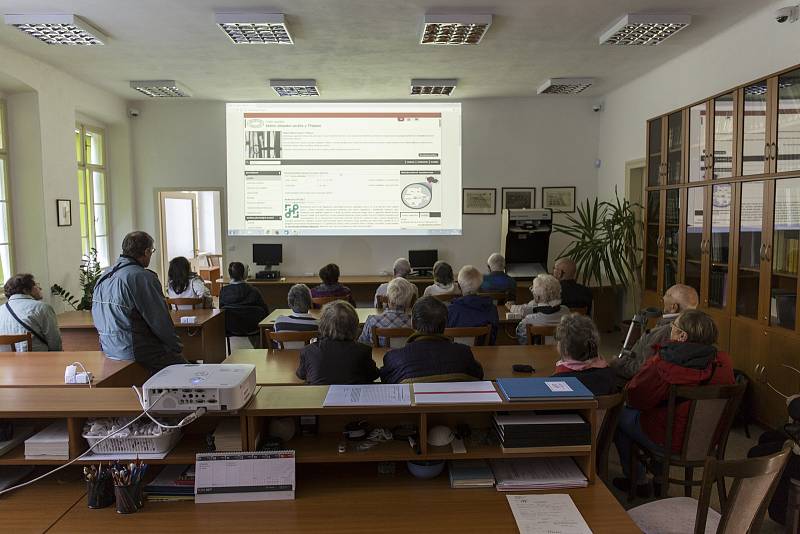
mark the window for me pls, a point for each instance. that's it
(6, 268)
(90, 151)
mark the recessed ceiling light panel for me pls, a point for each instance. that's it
(454, 29)
(57, 28)
(255, 28)
(161, 88)
(643, 29)
(564, 86)
(295, 87)
(433, 87)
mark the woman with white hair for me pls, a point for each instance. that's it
(472, 309)
(544, 310)
(400, 294)
(400, 269)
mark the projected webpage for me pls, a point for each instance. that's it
(344, 169)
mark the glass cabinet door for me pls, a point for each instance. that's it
(654, 153)
(672, 220)
(784, 253)
(751, 249)
(652, 239)
(674, 147)
(692, 267)
(698, 131)
(723, 136)
(787, 149)
(755, 150)
(719, 245)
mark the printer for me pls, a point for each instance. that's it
(525, 241)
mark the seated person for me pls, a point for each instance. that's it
(428, 353)
(497, 280)
(573, 294)
(677, 299)
(578, 340)
(400, 294)
(472, 309)
(336, 357)
(330, 286)
(401, 269)
(25, 312)
(443, 283)
(243, 304)
(544, 310)
(299, 299)
(184, 284)
(688, 358)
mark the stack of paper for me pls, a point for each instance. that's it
(470, 474)
(456, 393)
(537, 473)
(228, 436)
(52, 443)
(368, 395)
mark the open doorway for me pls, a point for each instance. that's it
(634, 193)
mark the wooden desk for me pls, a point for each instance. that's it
(46, 369)
(277, 367)
(37, 507)
(347, 499)
(204, 340)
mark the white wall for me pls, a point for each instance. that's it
(523, 142)
(755, 47)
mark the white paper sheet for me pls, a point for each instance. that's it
(456, 393)
(368, 395)
(558, 386)
(244, 476)
(547, 514)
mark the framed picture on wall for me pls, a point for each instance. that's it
(559, 199)
(518, 198)
(64, 209)
(479, 201)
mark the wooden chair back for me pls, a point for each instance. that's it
(539, 333)
(447, 297)
(11, 340)
(319, 302)
(583, 310)
(499, 297)
(469, 335)
(283, 338)
(608, 409)
(396, 336)
(176, 303)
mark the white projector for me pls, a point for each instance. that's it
(187, 387)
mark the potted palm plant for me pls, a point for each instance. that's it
(89, 272)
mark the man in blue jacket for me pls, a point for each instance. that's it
(130, 312)
(497, 281)
(472, 309)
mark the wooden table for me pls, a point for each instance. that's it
(277, 367)
(46, 369)
(204, 340)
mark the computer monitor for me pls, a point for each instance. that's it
(267, 254)
(422, 260)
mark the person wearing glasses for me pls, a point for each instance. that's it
(25, 312)
(130, 312)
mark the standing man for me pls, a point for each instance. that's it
(573, 294)
(130, 312)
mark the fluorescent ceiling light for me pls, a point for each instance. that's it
(454, 29)
(644, 29)
(564, 86)
(161, 88)
(433, 87)
(57, 28)
(254, 28)
(295, 87)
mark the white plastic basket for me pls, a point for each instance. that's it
(131, 444)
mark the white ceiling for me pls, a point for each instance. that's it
(363, 49)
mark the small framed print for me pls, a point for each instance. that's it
(64, 208)
(479, 201)
(518, 198)
(559, 199)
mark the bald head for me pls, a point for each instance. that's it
(680, 297)
(565, 269)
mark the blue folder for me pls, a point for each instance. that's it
(537, 388)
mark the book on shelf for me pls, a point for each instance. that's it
(524, 431)
(172, 482)
(470, 474)
(228, 435)
(52, 443)
(520, 474)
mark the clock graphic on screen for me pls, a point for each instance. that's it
(416, 196)
(722, 196)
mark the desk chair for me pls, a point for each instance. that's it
(447, 297)
(469, 335)
(711, 413)
(287, 340)
(319, 302)
(499, 297)
(242, 321)
(583, 310)
(397, 336)
(752, 486)
(608, 409)
(193, 303)
(11, 340)
(537, 335)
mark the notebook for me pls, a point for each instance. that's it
(470, 474)
(538, 388)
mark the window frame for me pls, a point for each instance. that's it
(6, 189)
(86, 172)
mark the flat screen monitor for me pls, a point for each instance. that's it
(423, 260)
(267, 254)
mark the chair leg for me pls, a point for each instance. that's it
(228, 343)
(688, 479)
(633, 472)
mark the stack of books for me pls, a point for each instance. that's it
(470, 474)
(173, 483)
(538, 473)
(228, 436)
(52, 443)
(524, 431)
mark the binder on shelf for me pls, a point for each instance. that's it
(543, 388)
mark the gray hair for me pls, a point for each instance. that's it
(399, 293)
(470, 279)
(577, 337)
(546, 289)
(699, 327)
(338, 320)
(299, 298)
(401, 267)
(429, 316)
(496, 262)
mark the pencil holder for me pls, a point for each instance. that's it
(99, 493)
(126, 499)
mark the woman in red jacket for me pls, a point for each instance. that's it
(689, 358)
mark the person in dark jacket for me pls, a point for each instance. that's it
(336, 357)
(689, 358)
(573, 294)
(472, 309)
(497, 281)
(330, 286)
(428, 352)
(243, 304)
(578, 339)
